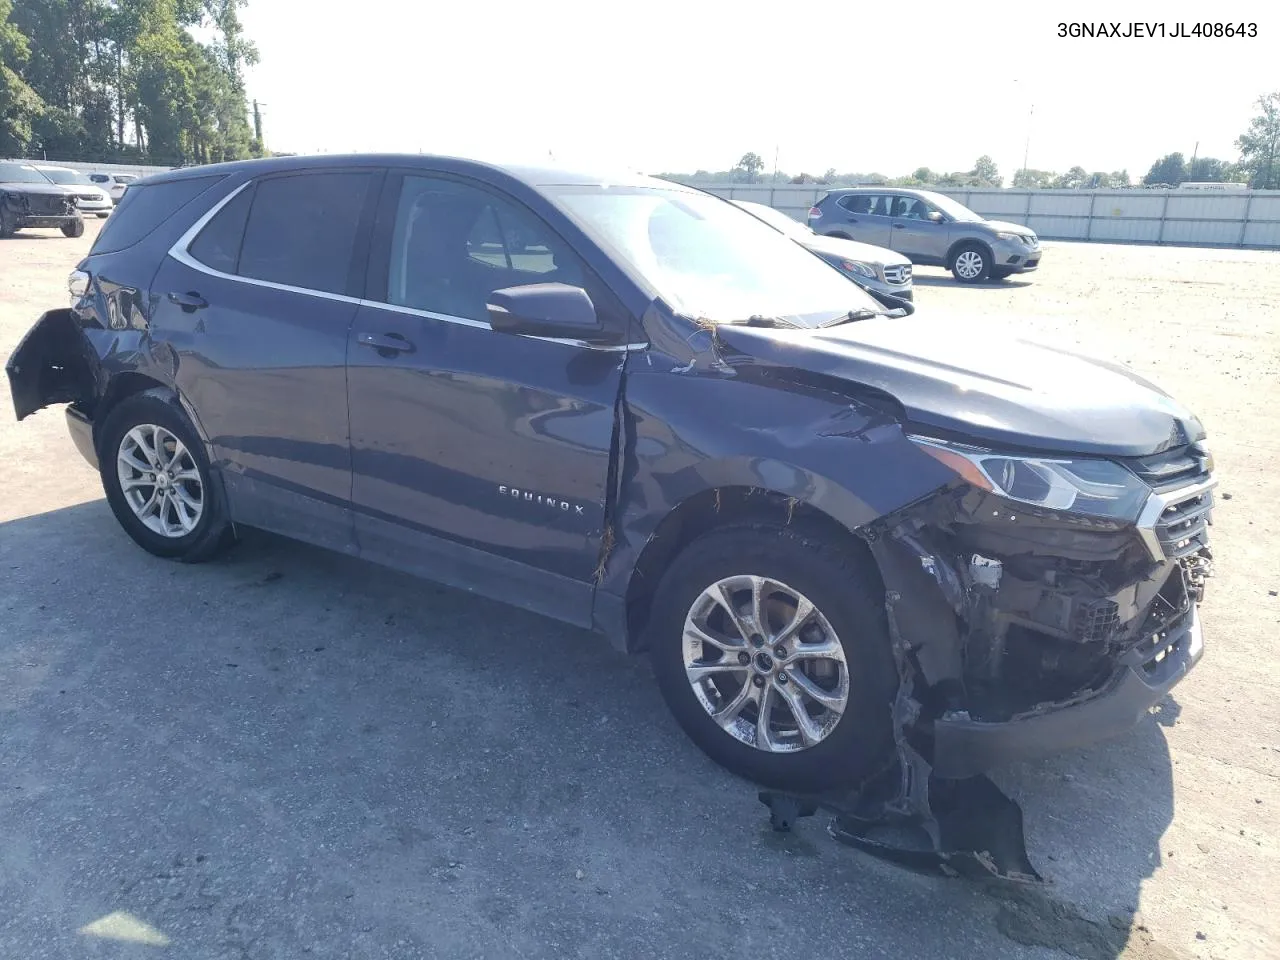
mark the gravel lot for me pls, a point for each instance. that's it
(288, 753)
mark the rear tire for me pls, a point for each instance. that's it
(73, 229)
(841, 743)
(158, 482)
(970, 263)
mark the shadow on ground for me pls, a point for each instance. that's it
(288, 752)
(946, 280)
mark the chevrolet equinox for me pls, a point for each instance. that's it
(845, 539)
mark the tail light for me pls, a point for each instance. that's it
(78, 283)
(814, 213)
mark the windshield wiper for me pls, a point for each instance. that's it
(759, 320)
(862, 313)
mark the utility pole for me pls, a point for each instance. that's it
(257, 126)
(1026, 153)
(775, 163)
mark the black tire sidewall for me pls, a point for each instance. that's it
(73, 230)
(211, 527)
(982, 252)
(840, 587)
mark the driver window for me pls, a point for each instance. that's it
(453, 244)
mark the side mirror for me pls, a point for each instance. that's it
(544, 310)
(935, 216)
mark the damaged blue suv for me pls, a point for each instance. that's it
(849, 540)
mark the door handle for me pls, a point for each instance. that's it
(188, 301)
(851, 219)
(899, 226)
(387, 344)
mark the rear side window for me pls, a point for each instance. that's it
(144, 207)
(867, 204)
(301, 230)
(218, 244)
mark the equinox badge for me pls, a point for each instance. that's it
(531, 497)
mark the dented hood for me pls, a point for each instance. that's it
(954, 379)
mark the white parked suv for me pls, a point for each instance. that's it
(114, 183)
(90, 198)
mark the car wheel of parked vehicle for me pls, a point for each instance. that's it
(73, 229)
(7, 229)
(156, 478)
(971, 263)
(771, 649)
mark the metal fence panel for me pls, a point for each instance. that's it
(1262, 234)
(1201, 206)
(1209, 218)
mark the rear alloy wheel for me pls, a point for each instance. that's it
(158, 481)
(771, 649)
(971, 263)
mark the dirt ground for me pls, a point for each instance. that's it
(288, 753)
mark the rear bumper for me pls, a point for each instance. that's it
(964, 747)
(81, 429)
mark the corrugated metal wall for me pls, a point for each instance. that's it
(1195, 218)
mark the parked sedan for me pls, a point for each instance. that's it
(929, 228)
(872, 268)
(846, 542)
(90, 198)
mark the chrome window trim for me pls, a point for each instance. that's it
(1155, 507)
(180, 253)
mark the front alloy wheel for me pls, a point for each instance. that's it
(771, 649)
(765, 664)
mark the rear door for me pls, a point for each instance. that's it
(256, 302)
(913, 233)
(863, 216)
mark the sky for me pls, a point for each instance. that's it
(677, 86)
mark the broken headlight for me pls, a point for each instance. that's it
(1098, 488)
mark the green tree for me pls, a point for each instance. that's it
(1259, 146)
(1034, 179)
(1120, 178)
(749, 167)
(20, 106)
(1208, 170)
(1170, 169)
(1073, 179)
(924, 175)
(986, 173)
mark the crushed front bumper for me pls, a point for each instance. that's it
(964, 747)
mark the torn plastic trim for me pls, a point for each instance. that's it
(53, 363)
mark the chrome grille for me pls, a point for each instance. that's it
(898, 274)
(1175, 521)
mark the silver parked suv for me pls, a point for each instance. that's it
(929, 228)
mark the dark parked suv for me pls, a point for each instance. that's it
(842, 538)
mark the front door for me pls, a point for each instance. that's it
(914, 234)
(257, 308)
(480, 458)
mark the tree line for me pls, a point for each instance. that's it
(125, 81)
(1258, 166)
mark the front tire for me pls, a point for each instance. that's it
(971, 263)
(158, 482)
(771, 649)
(73, 229)
(7, 226)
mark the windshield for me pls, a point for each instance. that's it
(952, 208)
(66, 176)
(776, 219)
(20, 173)
(711, 260)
